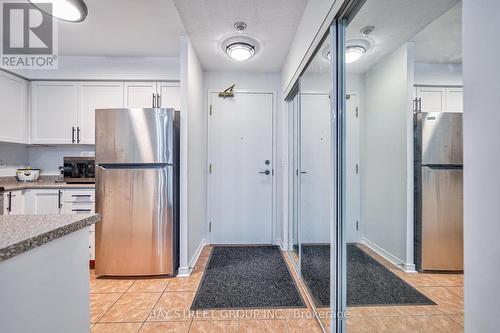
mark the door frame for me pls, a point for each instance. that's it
(358, 105)
(277, 165)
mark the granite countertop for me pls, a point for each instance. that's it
(13, 186)
(21, 233)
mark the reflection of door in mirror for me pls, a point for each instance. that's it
(315, 194)
(314, 172)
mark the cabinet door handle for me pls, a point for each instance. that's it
(81, 210)
(154, 101)
(81, 195)
(78, 134)
(73, 134)
(59, 203)
(9, 208)
(158, 100)
(419, 105)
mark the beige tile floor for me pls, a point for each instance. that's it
(162, 305)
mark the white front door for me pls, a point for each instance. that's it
(241, 169)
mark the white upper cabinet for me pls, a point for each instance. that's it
(432, 99)
(63, 112)
(152, 94)
(54, 112)
(92, 96)
(13, 109)
(454, 100)
(440, 99)
(139, 94)
(169, 95)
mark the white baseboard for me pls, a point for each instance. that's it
(279, 242)
(408, 268)
(186, 271)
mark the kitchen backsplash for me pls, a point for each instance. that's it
(12, 157)
(47, 158)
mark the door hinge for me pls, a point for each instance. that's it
(357, 225)
(210, 109)
(210, 227)
(357, 112)
(357, 168)
(210, 168)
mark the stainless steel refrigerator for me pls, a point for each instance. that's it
(438, 191)
(137, 186)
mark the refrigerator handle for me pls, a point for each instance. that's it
(154, 101)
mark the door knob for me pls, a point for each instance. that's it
(267, 172)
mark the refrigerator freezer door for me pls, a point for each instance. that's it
(135, 235)
(441, 138)
(134, 136)
(442, 219)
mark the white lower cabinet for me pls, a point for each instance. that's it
(14, 202)
(81, 201)
(54, 201)
(45, 201)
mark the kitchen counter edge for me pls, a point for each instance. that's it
(38, 230)
(43, 185)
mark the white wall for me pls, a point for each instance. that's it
(481, 161)
(193, 155)
(109, 68)
(438, 74)
(15, 156)
(385, 146)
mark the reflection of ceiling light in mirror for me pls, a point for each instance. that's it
(240, 51)
(353, 53)
(66, 10)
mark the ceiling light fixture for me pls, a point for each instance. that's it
(240, 51)
(353, 53)
(66, 10)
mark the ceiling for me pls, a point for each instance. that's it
(271, 23)
(441, 41)
(395, 21)
(124, 28)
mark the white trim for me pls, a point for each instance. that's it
(358, 105)
(408, 268)
(186, 271)
(280, 243)
(275, 164)
(410, 181)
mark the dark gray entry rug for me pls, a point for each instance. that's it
(368, 281)
(246, 277)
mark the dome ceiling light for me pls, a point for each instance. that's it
(240, 51)
(65, 10)
(353, 53)
(240, 46)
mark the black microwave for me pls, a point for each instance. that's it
(79, 170)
